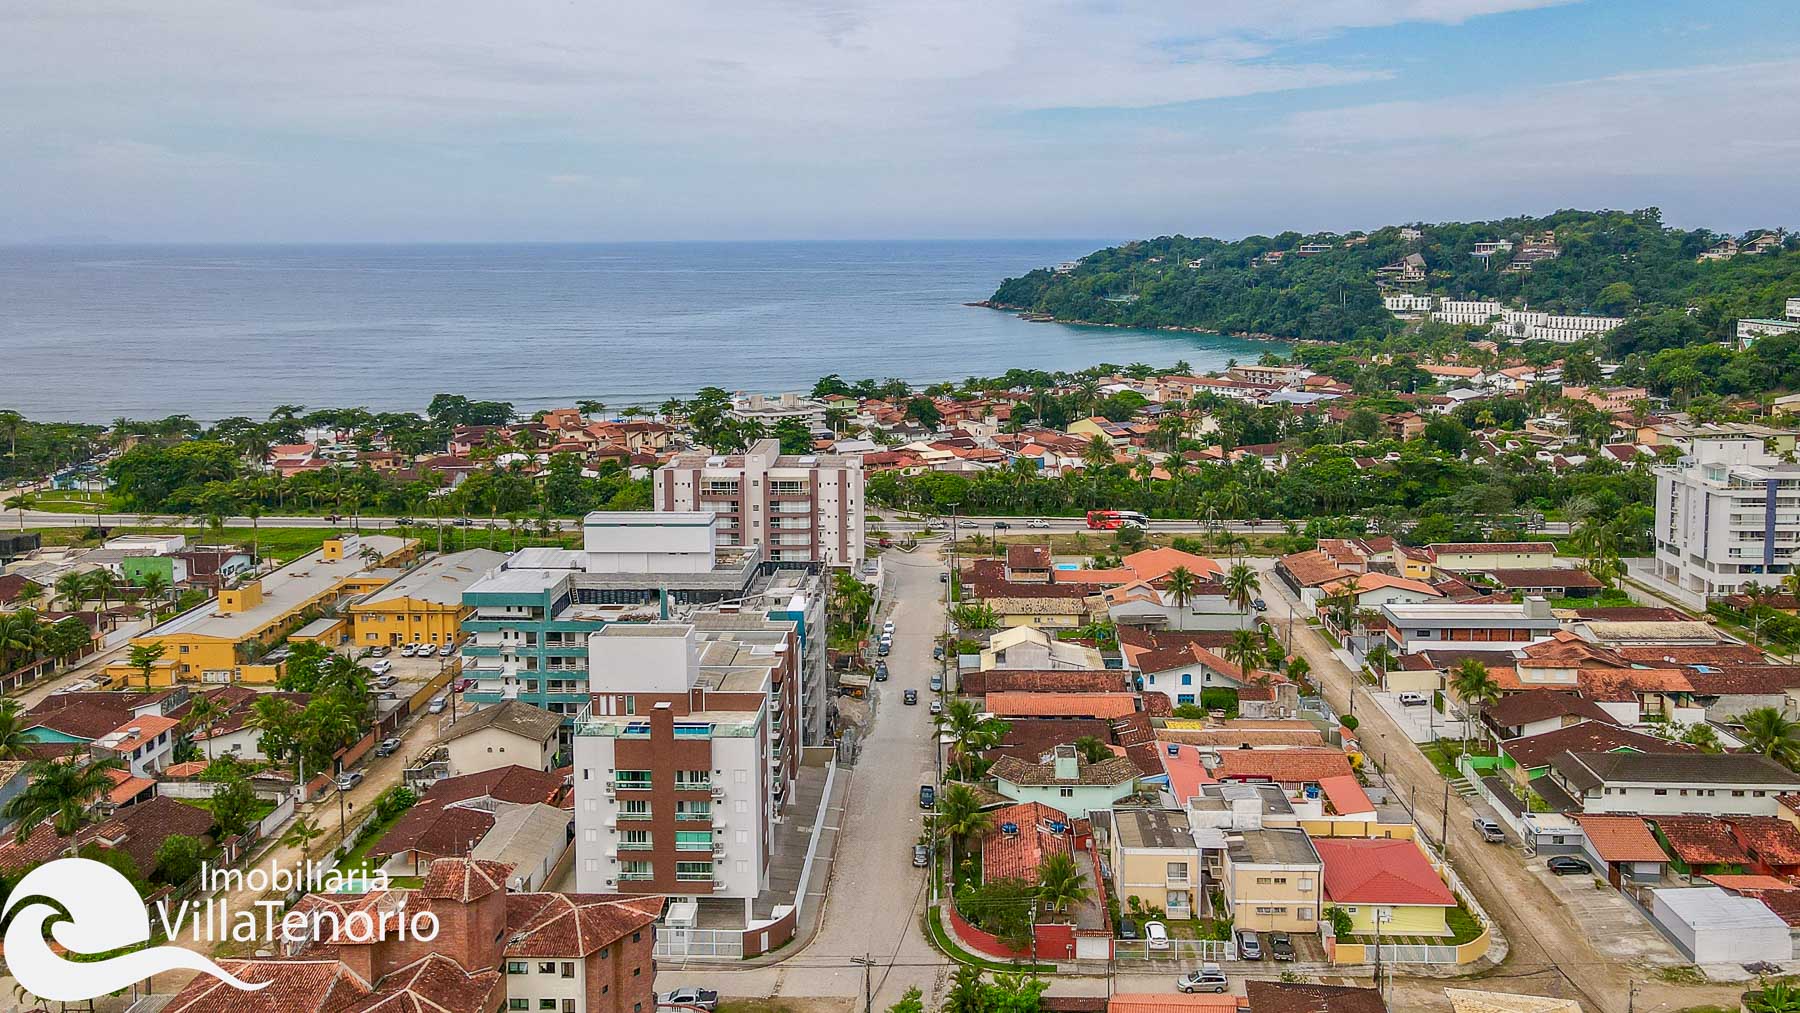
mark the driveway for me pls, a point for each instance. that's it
(1615, 926)
(875, 899)
(1421, 723)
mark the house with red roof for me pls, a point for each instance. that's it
(1385, 885)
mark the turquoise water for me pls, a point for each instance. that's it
(97, 332)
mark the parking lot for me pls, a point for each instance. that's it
(1420, 722)
(1615, 927)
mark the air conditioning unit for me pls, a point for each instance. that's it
(718, 884)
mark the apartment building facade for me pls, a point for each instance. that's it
(1727, 513)
(684, 760)
(806, 508)
(1409, 629)
(527, 623)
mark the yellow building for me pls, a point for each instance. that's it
(223, 640)
(1271, 880)
(1385, 886)
(424, 606)
(1154, 858)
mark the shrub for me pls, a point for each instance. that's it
(1350, 721)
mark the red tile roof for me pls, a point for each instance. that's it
(297, 986)
(1701, 840)
(564, 924)
(1009, 680)
(1586, 737)
(1785, 903)
(463, 881)
(138, 830)
(1771, 839)
(1083, 705)
(1380, 871)
(1018, 856)
(1621, 838)
(1287, 766)
(1750, 884)
(1714, 654)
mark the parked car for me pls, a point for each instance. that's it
(884, 542)
(937, 706)
(937, 683)
(461, 684)
(1259, 605)
(881, 649)
(407, 651)
(910, 697)
(967, 524)
(349, 780)
(921, 856)
(378, 652)
(937, 653)
(386, 681)
(381, 667)
(927, 796)
(887, 628)
(1002, 525)
(438, 703)
(1156, 935)
(1489, 830)
(696, 998)
(1414, 699)
(1281, 946)
(1569, 865)
(446, 650)
(1037, 522)
(388, 747)
(1202, 981)
(1128, 929)
(881, 672)
(1249, 947)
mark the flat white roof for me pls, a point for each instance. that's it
(649, 518)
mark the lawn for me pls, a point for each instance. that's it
(262, 808)
(1443, 754)
(942, 940)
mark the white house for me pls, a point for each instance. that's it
(1700, 784)
(507, 734)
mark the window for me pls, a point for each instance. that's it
(693, 871)
(1178, 871)
(546, 967)
(518, 1004)
(568, 969)
(517, 967)
(632, 778)
(1066, 792)
(1186, 679)
(546, 1004)
(1664, 791)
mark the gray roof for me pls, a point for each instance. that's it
(1153, 828)
(514, 716)
(1591, 770)
(441, 581)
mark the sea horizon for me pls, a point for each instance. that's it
(100, 330)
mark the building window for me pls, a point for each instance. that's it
(1066, 792)
(546, 1004)
(1186, 679)
(517, 967)
(546, 967)
(518, 1004)
(568, 969)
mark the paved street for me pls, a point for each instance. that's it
(876, 898)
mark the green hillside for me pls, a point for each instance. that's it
(1615, 262)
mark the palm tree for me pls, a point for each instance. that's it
(1092, 749)
(22, 502)
(1241, 586)
(959, 817)
(970, 733)
(144, 657)
(153, 585)
(102, 585)
(1772, 733)
(1245, 649)
(21, 636)
(1381, 659)
(202, 714)
(1060, 884)
(61, 793)
(72, 590)
(31, 595)
(14, 743)
(1476, 689)
(275, 718)
(1098, 453)
(1180, 586)
(1298, 668)
(301, 833)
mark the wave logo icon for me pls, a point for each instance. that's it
(104, 913)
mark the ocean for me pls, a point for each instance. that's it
(92, 333)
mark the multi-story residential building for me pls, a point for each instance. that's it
(529, 621)
(1271, 880)
(1153, 857)
(1751, 328)
(423, 607)
(1409, 629)
(805, 508)
(772, 411)
(1519, 324)
(685, 759)
(1727, 512)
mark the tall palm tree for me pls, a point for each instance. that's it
(301, 833)
(21, 636)
(1245, 649)
(72, 590)
(61, 793)
(1180, 586)
(275, 717)
(1476, 689)
(153, 585)
(1772, 733)
(14, 743)
(971, 733)
(102, 586)
(22, 502)
(1298, 668)
(1242, 585)
(959, 817)
(1060, 884)
(202, 714)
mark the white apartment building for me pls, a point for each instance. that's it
(1727, 512)
(1520, 325)
(682, 763)
(805, 508)
(772, 411)
(1674, 784)
(1751, 328)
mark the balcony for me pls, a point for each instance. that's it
(692, 817)
(636, 877)
(623, 815)
(634, 846)
(613, 784)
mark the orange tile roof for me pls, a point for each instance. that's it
(1172, 1002)
(1283, 765)
(1081, 705)
(1380, 870)
(1018, 855)
(1621, 839)
(1769, 838)
(1345, 795)
(125, 787)
(1701, 840)
(1378, 581)
(1750, 884)
(1150, 564)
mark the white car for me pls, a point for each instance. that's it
(381, 667)
(887, 628)
(1156, 935)
(1037, 522)
(446, 650)
(1413, 700)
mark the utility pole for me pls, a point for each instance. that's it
(868, 966)
(1444, 833)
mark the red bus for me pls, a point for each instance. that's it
(1112, 520)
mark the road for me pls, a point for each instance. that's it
(1549, 951)
(875, 900)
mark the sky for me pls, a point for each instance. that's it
(573, 120)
